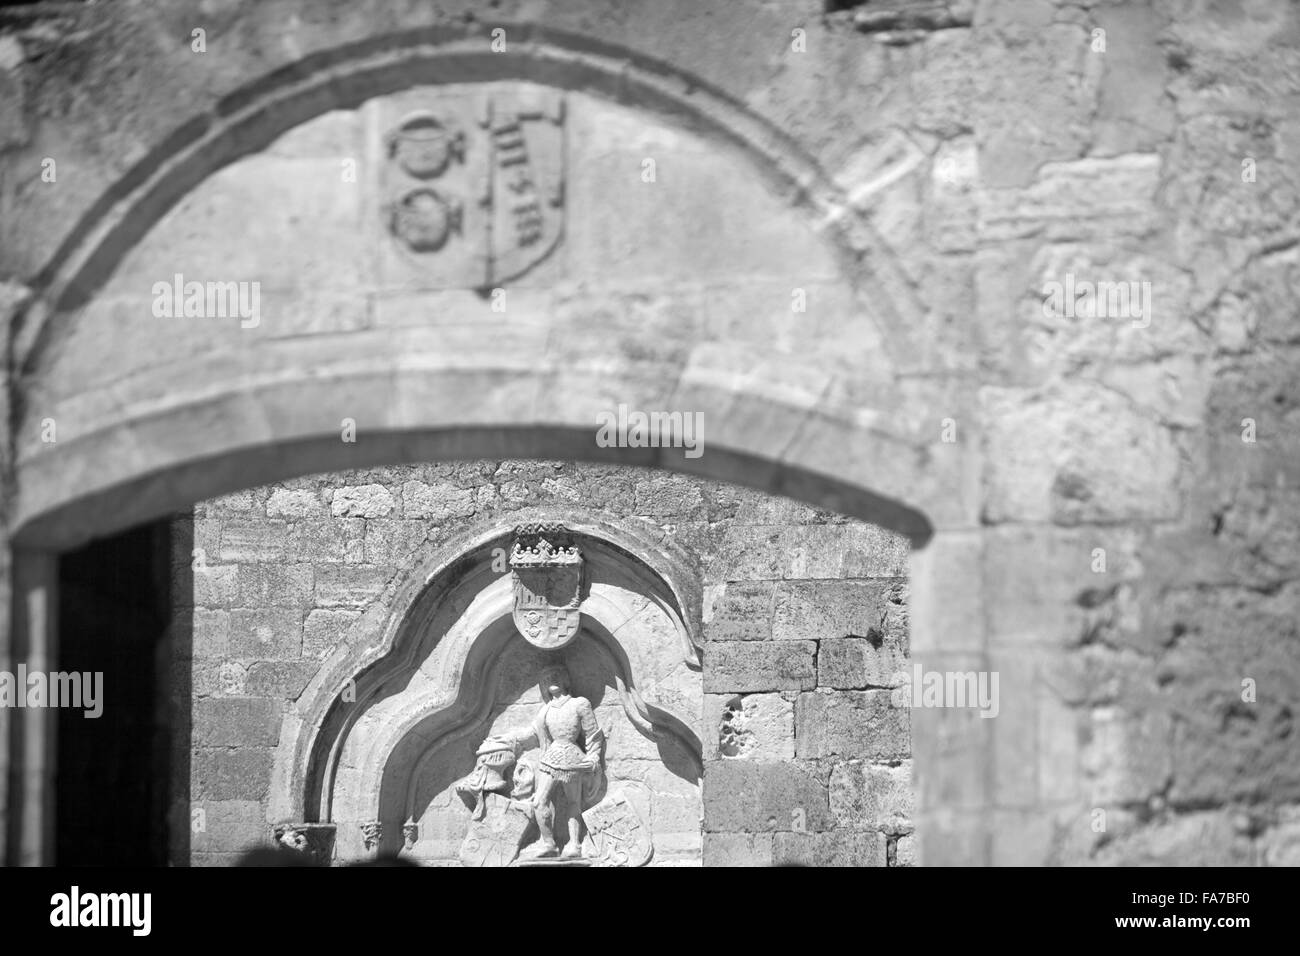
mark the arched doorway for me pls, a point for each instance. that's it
(420, 367)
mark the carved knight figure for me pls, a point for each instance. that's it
(572, 743)
(569, 774)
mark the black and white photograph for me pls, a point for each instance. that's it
(642, 434)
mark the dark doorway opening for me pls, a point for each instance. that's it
(113, 771)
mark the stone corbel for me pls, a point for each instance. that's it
(372, 834)
(315, 840)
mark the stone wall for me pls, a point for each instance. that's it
(1113, 497)
(807, 631)
(804, 618)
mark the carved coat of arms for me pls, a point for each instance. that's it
(547, 569)
(473, 184)
(618, 834)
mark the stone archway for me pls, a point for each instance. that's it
(429, 370)
(739, 223)
(949, 210)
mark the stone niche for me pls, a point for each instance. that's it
(438, 758)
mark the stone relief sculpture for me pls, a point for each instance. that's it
(546, 567)
(487, 169)
(561, 793)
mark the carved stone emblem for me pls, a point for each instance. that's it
(424, 220)
(474, 183)
(424, 146)
(618, 834)
(547, 569)
(494, 840)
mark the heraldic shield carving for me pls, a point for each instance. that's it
(547, 569)
(473, 182)
(617, 832)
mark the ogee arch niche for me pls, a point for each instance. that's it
(472, 676)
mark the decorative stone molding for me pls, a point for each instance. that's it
(410, 835)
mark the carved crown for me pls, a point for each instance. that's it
(543, 544)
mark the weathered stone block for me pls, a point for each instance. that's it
(437, 503)
(269, 634)
(833, 848)
(323, 630)
(1037, 471)
(1044, 587)
(866, 796)
(339, 540)
(365, 501)
(225, 825)
(393, 542)
(249, 541)
(352, 586)
(734, 666)
(298, 503)
(905, 851)
(741, 611)
(737, 849)
(271, 585)
(236, 722)
(663, 496)
(1280, 845)
(238, 773)
(1230, 740)
(744, 796)
(757, 727)
(283, 680)
(810, 551)
(237, 502)
(211, 633)
(1193, 839)
(1093, 197)
(854, 663)
(815, 610)
(214, 585)
(207, 539)
(851, 724)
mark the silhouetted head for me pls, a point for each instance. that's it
(555, 682)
